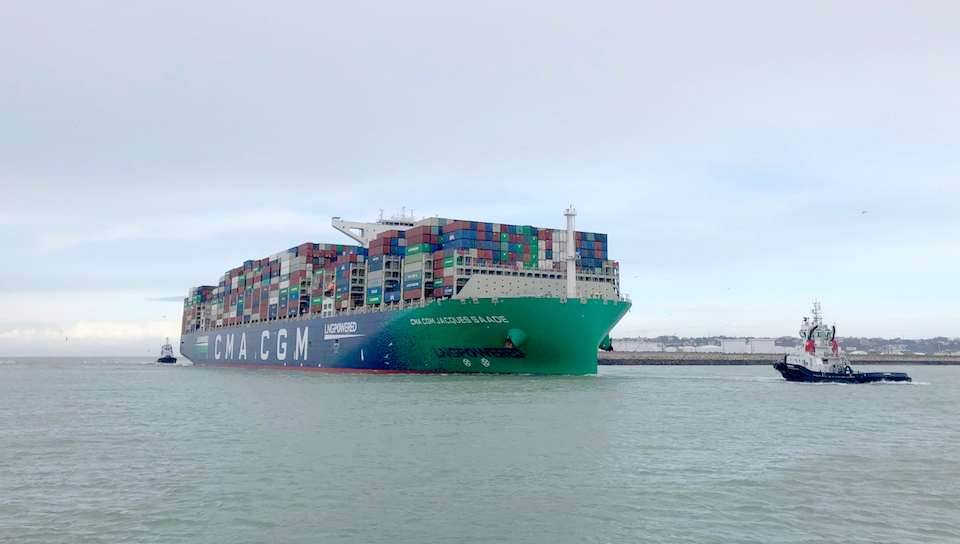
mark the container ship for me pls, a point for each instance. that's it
(431, 295)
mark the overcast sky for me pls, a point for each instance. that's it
(745, 158)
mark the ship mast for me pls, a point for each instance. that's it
(571, 256)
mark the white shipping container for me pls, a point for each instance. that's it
(285, 284)
(274, 300)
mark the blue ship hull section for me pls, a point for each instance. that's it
(353, 342)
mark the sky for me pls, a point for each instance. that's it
(745, 158)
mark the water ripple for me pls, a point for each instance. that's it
(112, 450)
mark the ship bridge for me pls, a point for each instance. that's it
(364, 232)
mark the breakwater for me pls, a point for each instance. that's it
(663, 358)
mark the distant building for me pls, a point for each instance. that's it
(752, 345)
(762, 345)
(734, 345)
(636, 345)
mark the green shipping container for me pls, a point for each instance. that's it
(448, 262)
(316, 301)
(504, 236)
(283, 292)
(374, 300)
(438, 282)
(415, 258)
(417, 248)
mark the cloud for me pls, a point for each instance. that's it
(92, 332)
(175, 227)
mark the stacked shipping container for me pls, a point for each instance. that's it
(430, 260)
(280, 286)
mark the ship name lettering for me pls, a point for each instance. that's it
(459, 320)
(264, 336)
(243, 346)
(301, 348)
(282, 344)
(216, 347)
(228, 352)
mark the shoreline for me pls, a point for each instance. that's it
(741, 359)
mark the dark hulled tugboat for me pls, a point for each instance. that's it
(823, 361)
(166, 353)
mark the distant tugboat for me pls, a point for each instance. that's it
(823, 361)
(166, 353)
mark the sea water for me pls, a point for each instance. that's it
(120, 450)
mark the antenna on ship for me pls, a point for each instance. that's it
(571, 256)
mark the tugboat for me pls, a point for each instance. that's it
(823, 361)
(166, 353)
